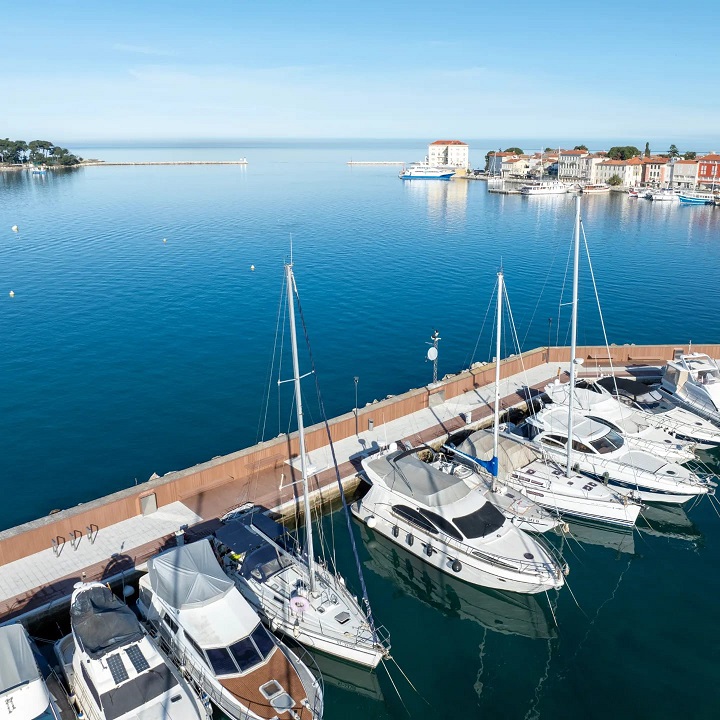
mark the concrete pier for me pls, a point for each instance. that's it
(114, 536)
(102, 163)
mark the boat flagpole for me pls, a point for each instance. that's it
(573, 334)
(291, 290)
(496, 425)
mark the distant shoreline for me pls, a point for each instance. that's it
(101, 163)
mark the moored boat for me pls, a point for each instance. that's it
(595, 189)
(553, 187)
(425, 171)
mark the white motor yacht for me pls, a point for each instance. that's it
(552, 187)
(602, 453)
(683, 424)
(693, 380)
(425, 171)
(259, 556)
(115, 669)
(24, 695)
(216, 636)
(439, 518)
(546, 483)
(634, 425)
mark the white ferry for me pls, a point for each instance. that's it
(553, 187)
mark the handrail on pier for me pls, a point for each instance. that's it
(75, 539)
(92, 532)
(58, 543)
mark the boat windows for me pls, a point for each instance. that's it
(245, 654)
(263, 642)
(481, 523)
(137, 692)
(602, 421)
(607, 443)
(582, 448)
(444, 525)
(90, 685)
(221, 661)
(414, 518)
(554, 441)
(194, 645)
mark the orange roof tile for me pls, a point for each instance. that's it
(712, 157)
(448, 142)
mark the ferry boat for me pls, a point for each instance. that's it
(425, 171)
(553, 187)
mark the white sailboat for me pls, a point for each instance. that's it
(296, 595)
(526, 471)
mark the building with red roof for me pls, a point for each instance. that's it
(453, 153)
(709, 170)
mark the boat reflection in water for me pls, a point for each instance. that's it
(348, 676)
(617, 538)
(669, 521)
(507, 613)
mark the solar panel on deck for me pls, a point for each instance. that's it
(117, 668)
(137, 658)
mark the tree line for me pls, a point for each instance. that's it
(19, 152)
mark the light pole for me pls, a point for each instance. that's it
(356, 379)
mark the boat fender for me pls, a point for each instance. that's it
(410, 539)
(429, 550)
(395, 531)
(456, 566)
(371, 521)
(606, 477)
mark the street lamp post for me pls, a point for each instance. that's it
(356, 379)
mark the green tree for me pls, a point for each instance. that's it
(623, 152)
(581, 147)
(647, 149)
(549, 150)
(615, 180)
(690, 155)
(673, 151)
(516, 150)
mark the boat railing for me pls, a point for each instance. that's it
(540, 569)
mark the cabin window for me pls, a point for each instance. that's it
(263, 642)
(607, 423)
(414, 518)
(482, 522)
(194, 645)
(171, 624)
(552, 441)
(245, 654)
(444, 525)
(608, 443)
(581, 447)
(220, 661)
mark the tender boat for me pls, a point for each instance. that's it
(634, 425)
(115, 669)
(543, 480)
(693, 381)
(602, 453)
(24, 694)
(552, 187)
(657, 410)
(597, 189)
(424, 171)
(213, 633)
(436, 516)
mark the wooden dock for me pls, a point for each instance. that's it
(112, 537)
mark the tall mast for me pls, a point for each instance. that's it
(291, 289)
(496, 426)
(573, 334)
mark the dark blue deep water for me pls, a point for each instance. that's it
(123, 355)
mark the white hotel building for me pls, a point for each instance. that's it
(453, 153)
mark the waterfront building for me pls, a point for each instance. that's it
(588, 167)
(629, 171)
(656, 171)
(709, 170)
(569, 164)
(515, 166)
(453, 153)
(495, 161)
(685, 174)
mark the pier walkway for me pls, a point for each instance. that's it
(112, 537)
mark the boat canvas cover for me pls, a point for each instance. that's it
(511, 455)
(17, 663)
(406, 474)
(632, 388)
(188, 576)
(102, 623)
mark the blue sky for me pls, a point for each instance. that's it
(78, 70)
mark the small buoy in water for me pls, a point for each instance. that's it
(12, 293)
(164, 240)
(14, 228)
(252, 267)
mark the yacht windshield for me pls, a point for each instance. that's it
(608, 443)
(480, 523)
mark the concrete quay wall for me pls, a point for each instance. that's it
(265, 465)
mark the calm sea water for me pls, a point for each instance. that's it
(124, 355)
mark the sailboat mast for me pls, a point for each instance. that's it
(496, 426)
(301, 428)
(573, 334)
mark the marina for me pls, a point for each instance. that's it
(113, 538)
